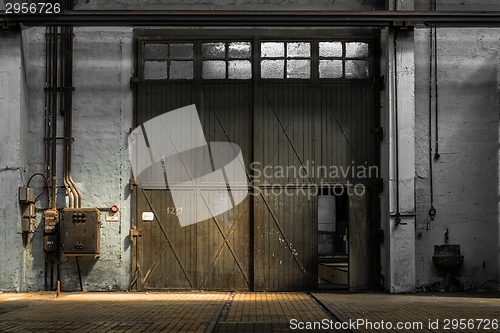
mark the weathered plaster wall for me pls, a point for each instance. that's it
(102, 118)
(332, 5)
(399, 150)
(12, 161)
(465, 177)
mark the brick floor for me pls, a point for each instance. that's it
(240, 312)
(410, 309)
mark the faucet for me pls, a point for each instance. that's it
(446, 237)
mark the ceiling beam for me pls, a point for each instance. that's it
(256, 19)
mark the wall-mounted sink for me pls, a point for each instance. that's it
(447, 256)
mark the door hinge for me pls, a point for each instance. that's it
(131, 184)
(134, 233)
(379, 131)
(134, 80)
(382, 82)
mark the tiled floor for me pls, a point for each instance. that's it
(247, 312)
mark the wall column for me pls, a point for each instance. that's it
(12, 159)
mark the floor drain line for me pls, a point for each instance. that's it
(332, 312)
(222, 315)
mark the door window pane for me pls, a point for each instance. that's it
(181, 70)
(272, 50)
(213, 50)
(155, 51)
(298, 69)
(240, 50)
(298, 50)
(181, 51)
(214, 69)
(356, 69)
(330, 49)
(239, 69)
(356, 50)
(272, 69)
(330, 69)
(155, 70)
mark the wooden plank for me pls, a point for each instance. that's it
(359, 240)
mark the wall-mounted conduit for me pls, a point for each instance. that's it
(58, 101)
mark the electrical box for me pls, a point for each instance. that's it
(50, 243)
(28, 225)
(51, 221)
(26, 195)
(81, 232)
(27, 201)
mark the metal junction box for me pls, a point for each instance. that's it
(81, 232)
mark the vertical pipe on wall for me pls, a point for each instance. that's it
(64, 109)
(396, 141)
(431, 42)
(69, 92)
(436, 155)
(53, 110)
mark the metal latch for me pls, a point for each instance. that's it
(131, 184)
(135, 233)
(134, 80)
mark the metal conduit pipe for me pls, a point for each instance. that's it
(53, 111)
(64, 110)
(69, 93)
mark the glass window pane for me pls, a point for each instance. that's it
(298, 50)
(213, 50)
(154, 70)
(214, 69)
(356, 69)
(181, 51)
(330, 69)
(240, 69)
(155, 51)
(181, 70)
(272, 50)
(298, 69)
(356, 50)
(330, 49)
(272, 69)
(240, 50)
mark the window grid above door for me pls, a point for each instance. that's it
(325, 60)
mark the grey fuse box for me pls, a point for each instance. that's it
(81, 232)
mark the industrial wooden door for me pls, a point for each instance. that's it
(214, 253)
(289, 104)
(359, 240)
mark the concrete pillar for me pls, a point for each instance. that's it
(401, 150)
(12, 158)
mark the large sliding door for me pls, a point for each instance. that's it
(302, 111)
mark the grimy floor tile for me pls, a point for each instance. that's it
(248, 312)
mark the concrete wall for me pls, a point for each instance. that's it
(102, 118)
(465, 177)
(12, 159)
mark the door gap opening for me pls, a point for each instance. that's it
(333, 249)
